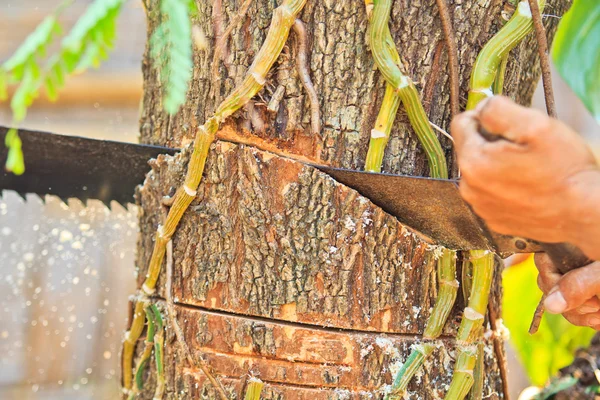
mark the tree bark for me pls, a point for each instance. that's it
(281, 272)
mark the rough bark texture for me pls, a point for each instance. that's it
(280, 271)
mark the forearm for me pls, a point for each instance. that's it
(584, 230)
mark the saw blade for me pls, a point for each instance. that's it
(78, 167)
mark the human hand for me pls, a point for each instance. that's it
(535, 184)
(574, 294)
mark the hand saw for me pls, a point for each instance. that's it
(83, 168)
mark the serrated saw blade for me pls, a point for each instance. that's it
(78, 167)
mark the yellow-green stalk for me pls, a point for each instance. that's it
(131, 337)
(487, 79)
(476, 392)
(389, 63)
(283, 19)
(400, 88)
(496, 50)
(417, 357)
(472, 323)
(159, 346)
(448, 289)
(145, 357)
(254, 388)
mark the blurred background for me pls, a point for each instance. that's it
(66, 270)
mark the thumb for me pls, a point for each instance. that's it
(502, 116)
(573, 289)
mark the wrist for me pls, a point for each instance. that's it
(583, 216)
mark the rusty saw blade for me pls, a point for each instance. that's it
(83, 168)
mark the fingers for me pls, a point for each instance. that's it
(502, 116)
(464, 127)
(592, 320)
(574, 289)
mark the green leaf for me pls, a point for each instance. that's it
(171, 49)
(86, 45)
(576, 52)
(14, 160)
(553, 347)
(33, 46)
(25, 94)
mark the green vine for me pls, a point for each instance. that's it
(401, 86)
(490, 60)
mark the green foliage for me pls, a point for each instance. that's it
(27, 56)
(171, 49)
(554, 345)
(14, 161)
(86, 45)
(23, 67)
(576, 52)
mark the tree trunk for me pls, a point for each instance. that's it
(281, 272)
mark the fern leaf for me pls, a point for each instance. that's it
(171, 48)
(26, 93)
(34, 46)
(86, 45)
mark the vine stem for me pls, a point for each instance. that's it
(493, 53)
(389, 63)
(281, 23)
(452, 55)
(303, 71)
(417, 357)
(400, 88)
(255, 386)
(540, 34)
(448, 290)
(471, 324)
(159, 346)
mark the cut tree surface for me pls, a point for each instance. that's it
(272, 238)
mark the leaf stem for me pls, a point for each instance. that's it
(413, 363)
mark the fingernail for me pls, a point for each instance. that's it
(555, 303)
(594, 321)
